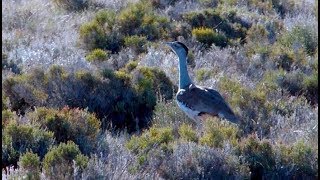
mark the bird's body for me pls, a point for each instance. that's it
(198, 102)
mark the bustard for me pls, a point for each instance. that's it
(194, 100)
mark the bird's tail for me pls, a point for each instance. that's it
(230, 117)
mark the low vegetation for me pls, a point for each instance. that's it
(88, 89)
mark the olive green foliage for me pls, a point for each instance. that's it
(154, 138)
(72, 5)
(136, 42)
(187, 133)
(259, 155)
(9, 64)
(30, 162)
(97, 55)
(7, 116)
(203, 74)
(302, 157)
(228, 24)
(300, 37)
(216, 133)
(133, 26)
(67, 124)
(18, 139)
(209, 36)
(58, 162)
(122, 96)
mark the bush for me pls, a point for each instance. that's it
(97, 55)
(300, 159)
(72, 5)
(217, 133)
(58, 162)
(231, 25)
(310, 88)
(70, 124)
(30, 163)
(136, 42)
(17, 139)
(203, 74)
(209, 37)
(187, 133)
(126, 98)
(300, 37)
(259, 155)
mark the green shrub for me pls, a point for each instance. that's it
(17, 139)
(131, 65)
(136, 42)
(301, 37)
(72, 5)
(216, 133)
(58, 162)
(259, 155)
(187, 133)
(230, 25)
(7, 116)
(203, 74)
(154, 137)
(92, 35)
(208, 36)
(310, 88)
(97, 55)
(300, 159)
(70, 124)
(30, 163)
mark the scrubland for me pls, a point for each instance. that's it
(88, 89)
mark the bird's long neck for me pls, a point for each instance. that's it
(184, 79)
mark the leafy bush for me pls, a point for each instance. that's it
(217, 133)
(17, 139)
(208, 37)
(58, 162)
(229, 25)
(126, 98)
(300, 37)
(72, 5)
(70, 124)
(187, 133)
(30, 163)
(97, 55)
(134, 25)
(300, 159)
(203, 74)
(310, 88)
(136, 42)
(259, 155)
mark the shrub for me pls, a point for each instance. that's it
(17, 139)
(7, 117)
(154, 137)
(30, 163)
(300, 159)
(259, 155)
(310, 88)
(127, 99)
(217, 133)
(97, 55)
(209, 37)
(231, 26)
(203, 74)
(136, 42)
(72, 5)
(70, 124)
(187, 133)
(58, 162)
(300, 37)
(10, 64)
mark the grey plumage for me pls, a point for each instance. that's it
(197, 101)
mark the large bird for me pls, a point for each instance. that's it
(198, 102)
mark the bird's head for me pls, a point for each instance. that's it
(178, 48)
